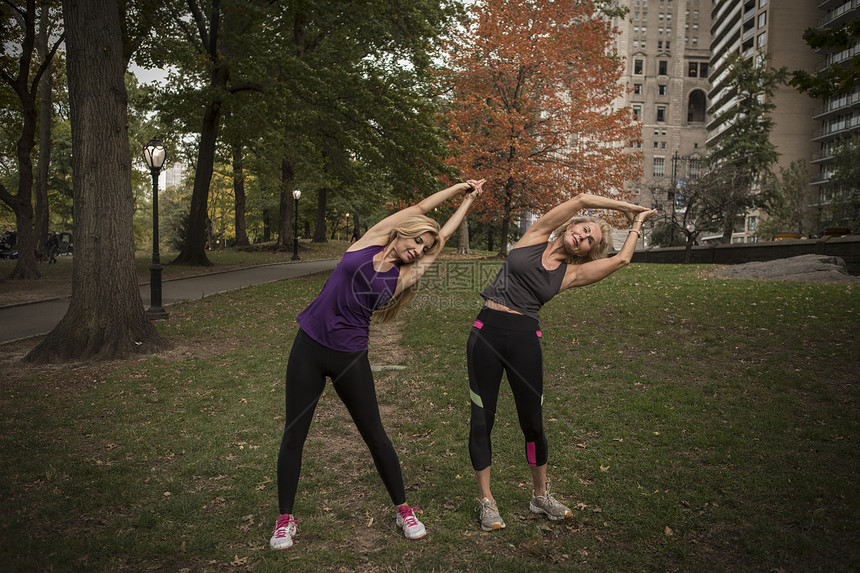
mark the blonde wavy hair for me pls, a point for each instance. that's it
(598, 251)
(409, 228)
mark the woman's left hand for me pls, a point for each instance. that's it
(476, 186)
(632, 211)
(643, 216)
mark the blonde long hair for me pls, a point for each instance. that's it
(598, 251)
(409, 228)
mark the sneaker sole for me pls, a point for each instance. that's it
(280, 548)
(422, 536)
(495, 527)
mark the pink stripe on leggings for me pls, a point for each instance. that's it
(530, 453)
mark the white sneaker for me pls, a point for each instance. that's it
(406, 520)
(488, 515)
(283, 533)
(549, 506)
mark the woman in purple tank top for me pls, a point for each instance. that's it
(506, 336)
(378, 276)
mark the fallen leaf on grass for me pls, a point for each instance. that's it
(668, 531)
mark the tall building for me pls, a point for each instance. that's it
(838, 117)
(666, 45)
(773, 28)
(173, 175)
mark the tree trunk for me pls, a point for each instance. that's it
(506, 219)
(285, 207)
(45, 115)
(239, 195)
(728, 229)
(194, 247)
(105, 318)
(463, 238)
(21, 203)
(266, 230)
(319, 231)
(193, 250)
(688, 251)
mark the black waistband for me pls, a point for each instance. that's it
(507, 320)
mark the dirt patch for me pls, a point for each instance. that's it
(384, 347)
(68, 377)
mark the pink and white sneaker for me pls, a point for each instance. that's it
(406, 520)
(283, 533)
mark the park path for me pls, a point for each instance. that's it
(38, 318)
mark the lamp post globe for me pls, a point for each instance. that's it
(297, 194)
(154, 154)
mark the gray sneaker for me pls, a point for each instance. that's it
(549, 506)
(488, 513)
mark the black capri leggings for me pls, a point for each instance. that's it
(309, 364)
(505, 342)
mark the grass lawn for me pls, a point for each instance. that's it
(694, 423)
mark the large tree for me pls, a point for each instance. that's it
(840, 205)
(21, 69)
(353, 105)
(213, 45)
(530, 107)
(743, 156)
(46, 105)
(105, 318)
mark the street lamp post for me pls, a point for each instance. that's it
(296, 195)
(154, 154)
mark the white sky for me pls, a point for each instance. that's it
(146, 76)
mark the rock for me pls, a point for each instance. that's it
(807, 268)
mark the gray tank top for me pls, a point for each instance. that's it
(523, 284)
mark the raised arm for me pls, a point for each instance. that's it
(411, 273)
(593, 271)
(560, 214)
(378, 234)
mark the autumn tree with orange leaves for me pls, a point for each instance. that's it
(531, 85)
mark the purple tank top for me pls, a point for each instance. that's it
(339, 318)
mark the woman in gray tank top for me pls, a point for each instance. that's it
(506, 336)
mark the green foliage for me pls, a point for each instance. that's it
(785, 201)
(339, 93)
(835, 79)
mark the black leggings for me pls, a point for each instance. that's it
(310, 362)
(505, 342)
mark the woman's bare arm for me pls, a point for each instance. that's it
(593, 271)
